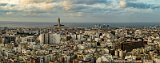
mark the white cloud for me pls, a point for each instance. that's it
(67, 4)
(37, 4)
(23, 5)
(122, 3)
(9, 1)
(87, 6)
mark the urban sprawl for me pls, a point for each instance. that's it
(60, 44)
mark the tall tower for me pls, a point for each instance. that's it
(59, 22)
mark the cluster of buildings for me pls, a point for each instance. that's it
(79, 45)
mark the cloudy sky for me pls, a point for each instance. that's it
(80, 10)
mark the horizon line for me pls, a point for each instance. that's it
(70, 22)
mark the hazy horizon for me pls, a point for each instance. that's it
(73, 22)
(77, 24)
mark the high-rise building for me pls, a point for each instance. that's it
(56, 38)
(49, 38)
(44, 38)
(9, 39)
(0, 39)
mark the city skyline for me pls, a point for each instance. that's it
(80, 10)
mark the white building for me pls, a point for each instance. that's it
(49, 38)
